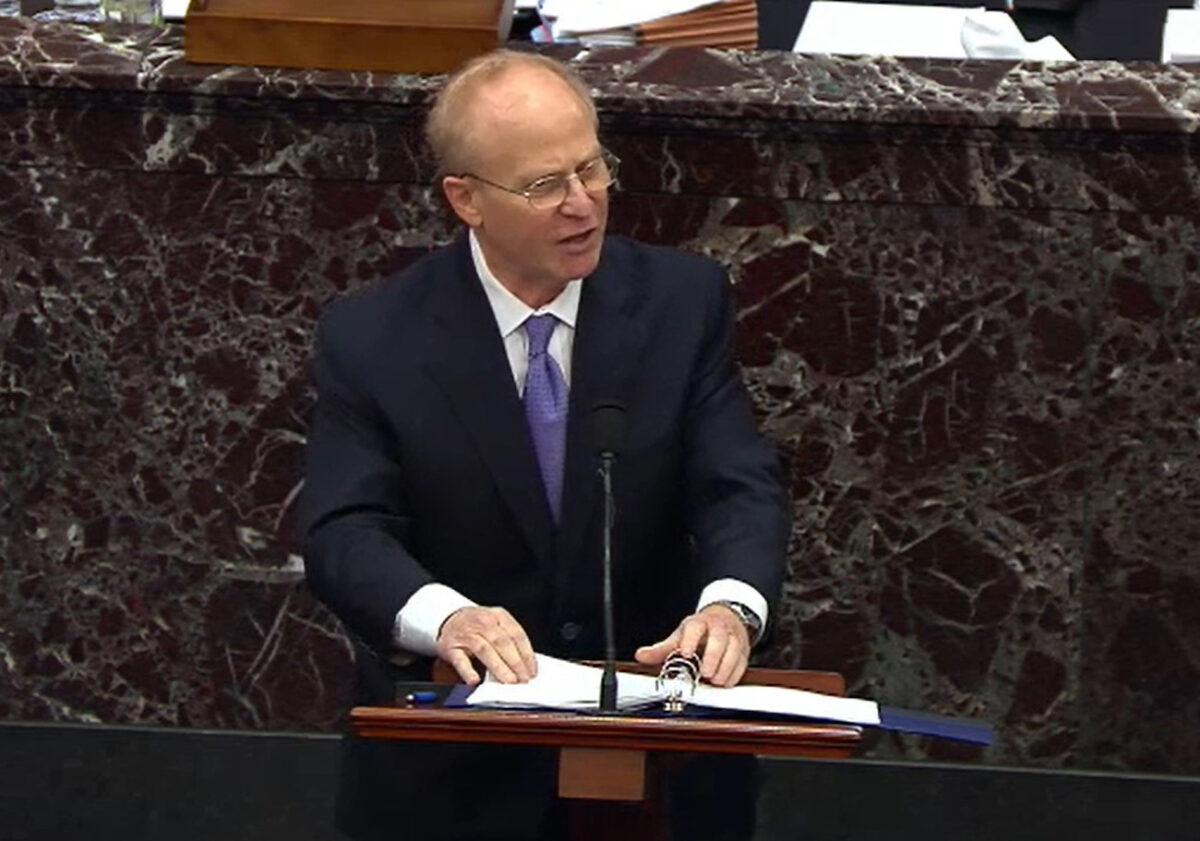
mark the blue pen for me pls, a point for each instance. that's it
(421, 697)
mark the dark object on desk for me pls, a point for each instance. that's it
(422, 693)
(1114, 30)
(779, 22)
(32, 7)
(524, 22)
(1061, 6)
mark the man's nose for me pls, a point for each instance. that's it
(578, 201)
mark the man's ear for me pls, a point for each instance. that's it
(463, 198)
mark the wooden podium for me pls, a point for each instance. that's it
(605, 759)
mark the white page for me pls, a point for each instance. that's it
(785, 701)
(560, 684)
(995, 35)
(592, 15)
(174, 9)
(1181, 35)
(877, 29)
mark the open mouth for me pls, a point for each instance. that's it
(578, 239)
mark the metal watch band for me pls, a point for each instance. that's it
(749, 618)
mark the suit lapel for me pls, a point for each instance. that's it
(468, 361)
(607, 338)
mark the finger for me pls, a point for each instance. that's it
(739, 671)
(654, 654)
(507, 649)
(715, 645)
(693, 632)
(521, 640)
(733, 664)
(461, 662)
(492, 661)
(525, 649)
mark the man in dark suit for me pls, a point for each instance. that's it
(450, 506)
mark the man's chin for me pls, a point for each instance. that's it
(576, 269)
(582, 264)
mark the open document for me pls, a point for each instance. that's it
(562, 685)
(570, 686)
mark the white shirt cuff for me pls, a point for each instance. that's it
(421, 618)
(733, 590)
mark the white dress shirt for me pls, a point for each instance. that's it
(420, 619)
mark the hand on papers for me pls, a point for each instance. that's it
(718, 633)
(493, 637)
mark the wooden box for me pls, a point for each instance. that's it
(397, 36)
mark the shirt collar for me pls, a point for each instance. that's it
(510, 310)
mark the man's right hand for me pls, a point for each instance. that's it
(491, 636)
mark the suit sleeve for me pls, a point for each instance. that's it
(738, 510)
(354, 520)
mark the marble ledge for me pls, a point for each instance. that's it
(696, 83)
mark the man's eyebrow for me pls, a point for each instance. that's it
(559, 174)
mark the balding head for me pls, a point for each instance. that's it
(486, 90)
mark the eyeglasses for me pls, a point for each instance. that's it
(550, 191)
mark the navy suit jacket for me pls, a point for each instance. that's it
(420, 466)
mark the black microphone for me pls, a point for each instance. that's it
(608, 436)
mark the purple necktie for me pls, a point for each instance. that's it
(546, 407)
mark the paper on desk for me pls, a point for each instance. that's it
(569, 686)
(1181, 35)
(847, 28)
(877, 29)
(563, 685)
(995, 35)
(574, 16)
(780, 700)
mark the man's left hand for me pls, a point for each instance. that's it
(716, 631)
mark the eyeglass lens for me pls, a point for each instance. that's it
(596, 175)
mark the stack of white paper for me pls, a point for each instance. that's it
(563, 685)
(918, 31)
(569, 686)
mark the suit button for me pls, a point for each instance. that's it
(570, 631)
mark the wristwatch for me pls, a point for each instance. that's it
(750, 619)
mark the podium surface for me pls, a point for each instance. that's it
(678, 733)
(605, 757)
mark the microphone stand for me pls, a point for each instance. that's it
(608, 681)
(608, 433)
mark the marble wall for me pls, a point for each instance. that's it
(968, 312)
